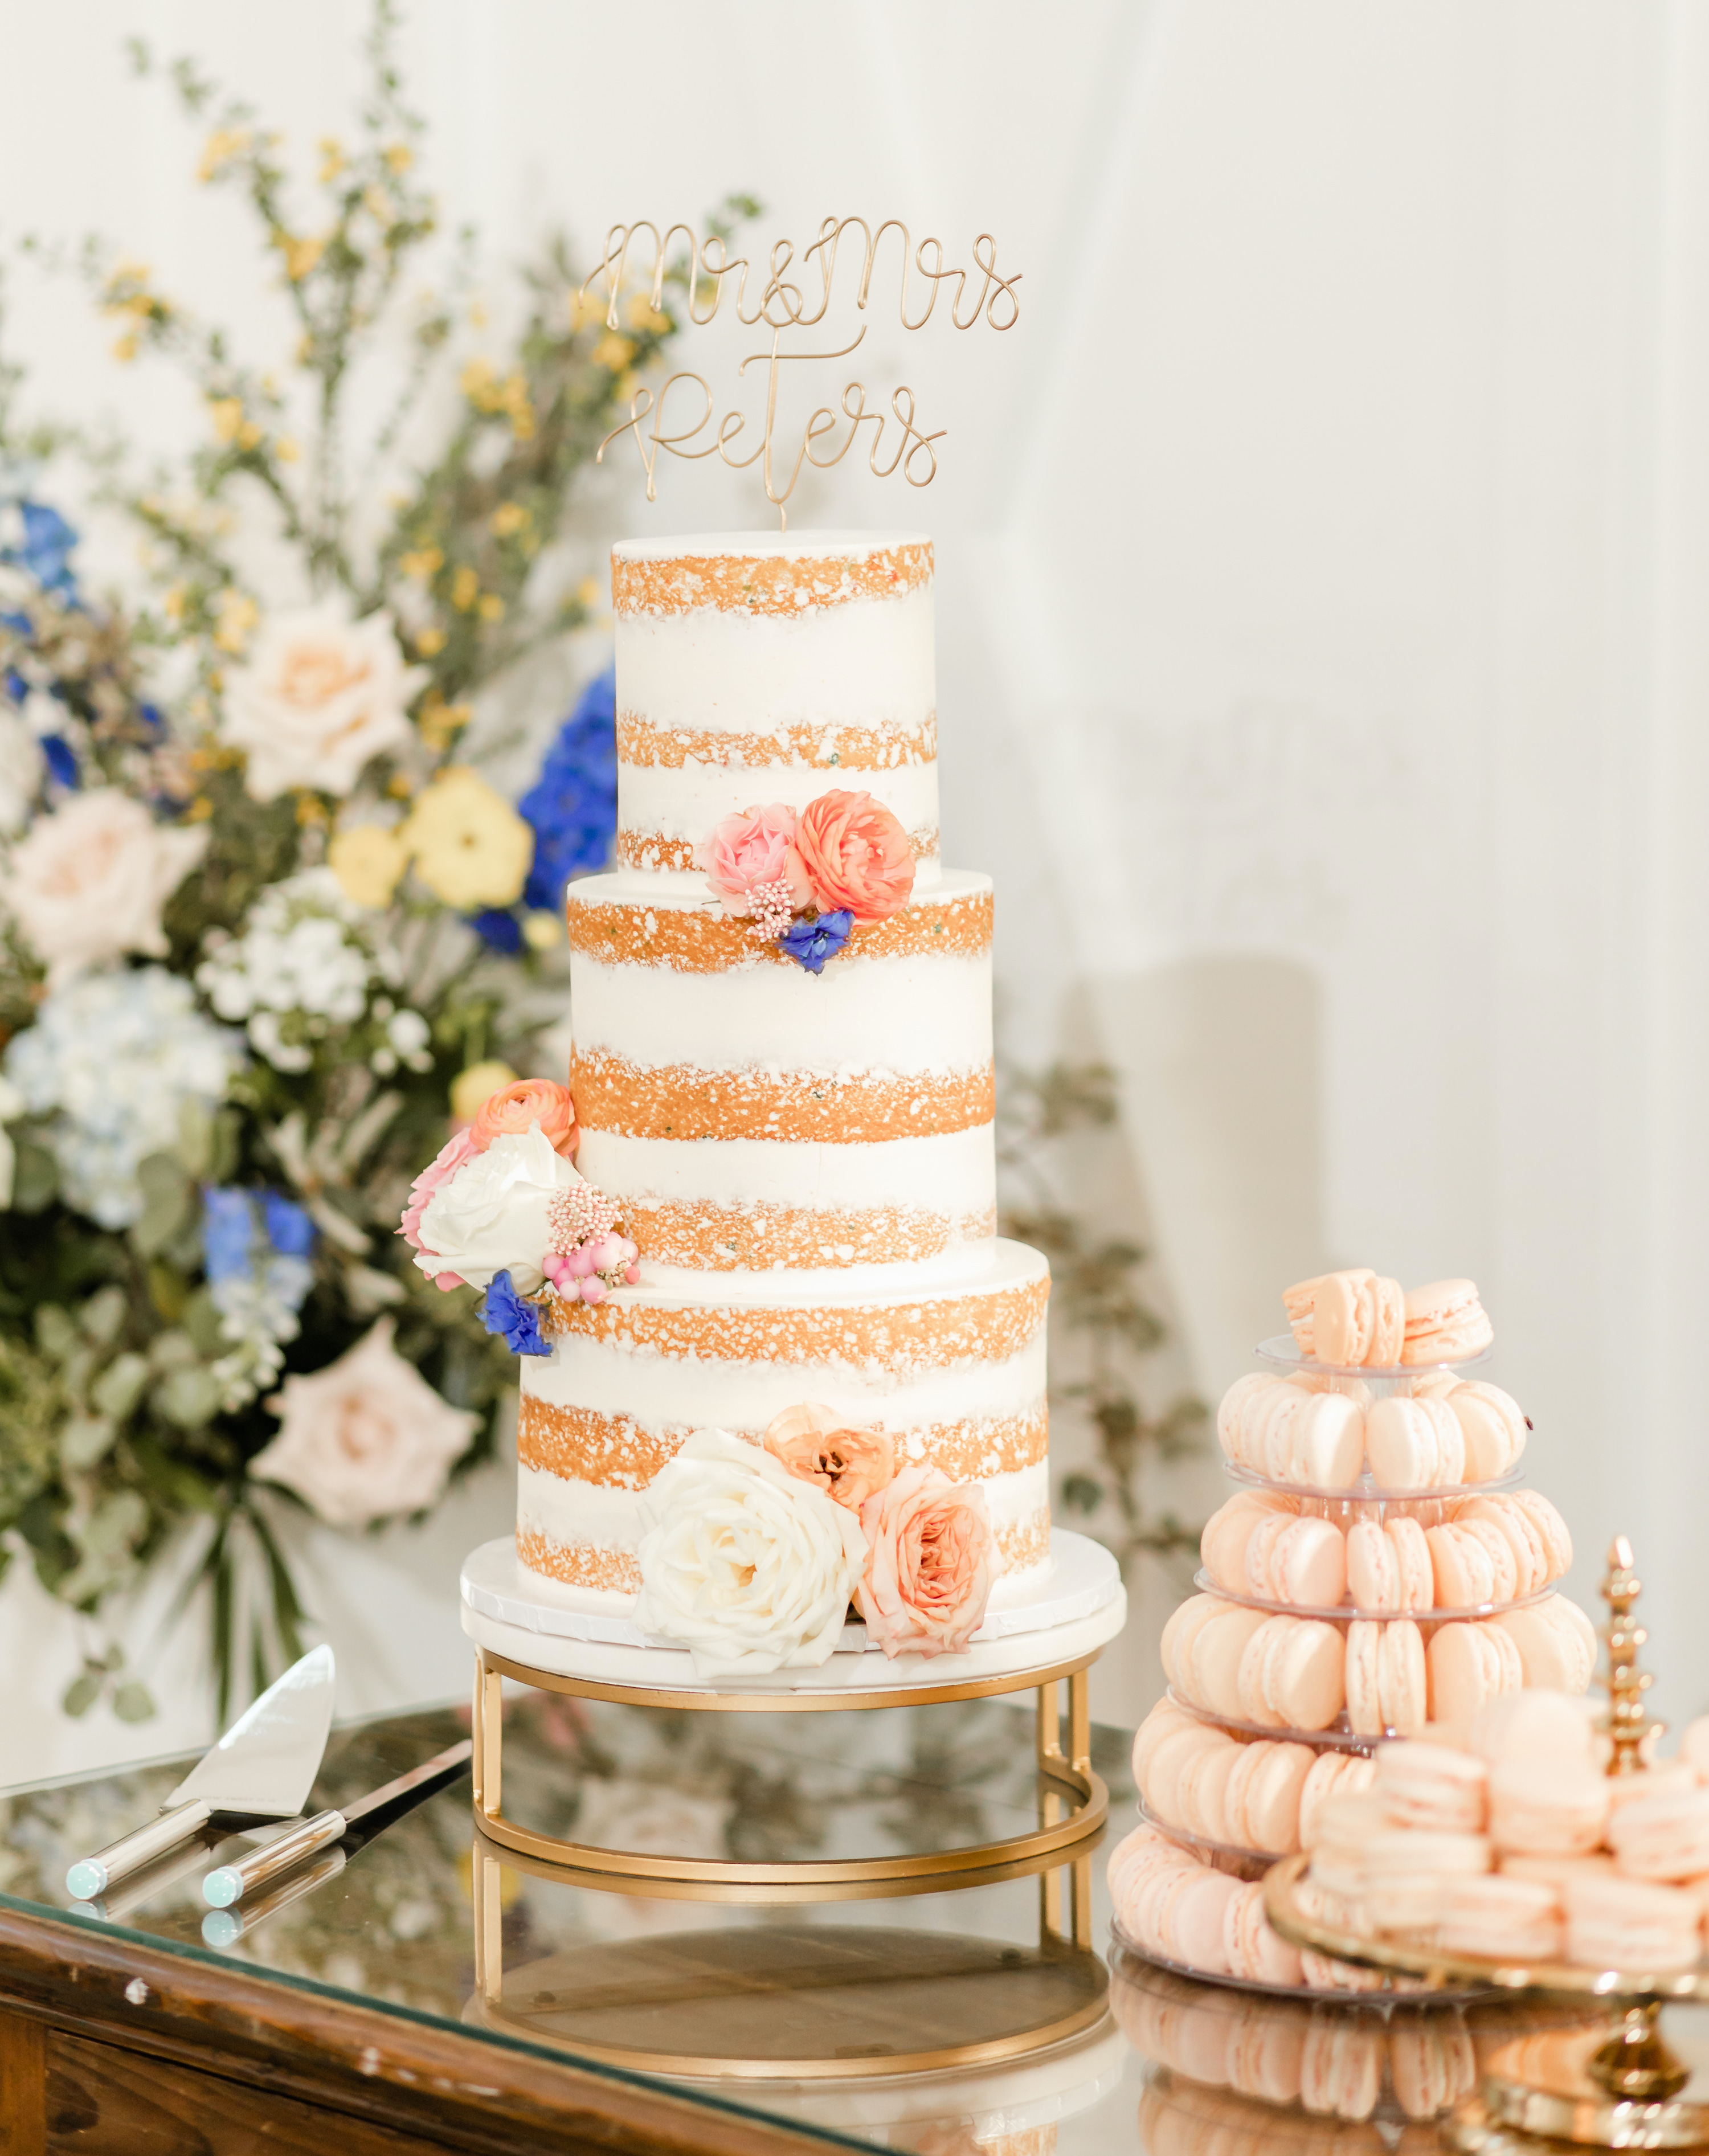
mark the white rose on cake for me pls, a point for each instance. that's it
(89, 882)
(745, 1564)
(320, 695)
(494, 1215)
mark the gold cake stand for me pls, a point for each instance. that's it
(1074, 1802)
(1619, 2085)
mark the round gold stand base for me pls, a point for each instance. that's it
(1073, 1805)
(1613, 2087)
(816, 2002)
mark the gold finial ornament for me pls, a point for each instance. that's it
(1632, 1731)
(784, 307)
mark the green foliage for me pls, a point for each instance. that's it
(1101, 1325)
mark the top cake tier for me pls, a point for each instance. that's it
(753, 668)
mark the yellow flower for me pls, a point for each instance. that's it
(430, 642)
(465, 588)
(614, 351)
(200, 809)
(227, 414)
(542, 931)
(422, 563)
(221, 146)
(237, 614)
(473, 1088)
(379, 205)
(584, 309)
(249, 435)
(476, 383)
(124, 347)
(300, 255)
(368, 862)
(508, 517)
(332, 159)
(626, 386)
(311, 809)
(491, 607)
(399, 156)
(286, 450)
(173, 603)
(440, 722)
(470, 847)
(642, 315)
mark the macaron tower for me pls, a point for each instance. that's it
(1376, 1570)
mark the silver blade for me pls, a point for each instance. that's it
(440, 1768)
(266, 1761)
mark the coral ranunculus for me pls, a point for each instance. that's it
(856, 855)
(931, 1561)
(757, 847)
(817, 1444)
(514, 1107)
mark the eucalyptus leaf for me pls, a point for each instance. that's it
(133, 1701)
(81, 1693)
(35, 1176)
(195, 1147)
(189, 1397)
(116, 1524)
(56, 1333)
(84, 1439)
(168, 1197)
(103, 1314)
(201, 1323)
(119, 1386)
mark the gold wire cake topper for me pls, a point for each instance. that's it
(784, 308)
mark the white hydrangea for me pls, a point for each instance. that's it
(114, 1058)
(302, 965)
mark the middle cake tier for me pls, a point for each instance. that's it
(749, 1115)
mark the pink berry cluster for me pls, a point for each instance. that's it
(587, 1255)
(773, 909)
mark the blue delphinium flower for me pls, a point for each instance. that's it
(499, 928)
(289, 1230)
(809, 943)
(61, 759)
(228, 1230)
(503, 1310)
(46, 552)
(572, 805)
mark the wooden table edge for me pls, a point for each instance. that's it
(231, 2022)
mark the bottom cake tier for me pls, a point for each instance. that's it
(950, 1364)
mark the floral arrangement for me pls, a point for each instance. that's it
(267, 933)
(806, 880)
(752, 1555)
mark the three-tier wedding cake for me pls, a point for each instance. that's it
(797, 1129)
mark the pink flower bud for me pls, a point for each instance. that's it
(630, 1249)
(553, 1266)
(580, 1262)
(610, 1253)
(632, 1274)
(593, 1290)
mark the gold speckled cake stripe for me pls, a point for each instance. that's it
(614, 1451)
(899, 1338)
(705, 939)
(754, 1238)
(826, 747)
(589, 1564)
(685, 1102)
(653, 851)
(766, 583)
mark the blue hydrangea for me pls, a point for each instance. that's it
(228, 1230)
(809, 943)
(44, 548)
(572, 805)
(503, 1310)
(289, 1230)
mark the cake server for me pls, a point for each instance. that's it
(261, 1768)
(232, 1881)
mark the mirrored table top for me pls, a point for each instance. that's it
(790, 2010)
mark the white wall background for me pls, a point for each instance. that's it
(1322, 650)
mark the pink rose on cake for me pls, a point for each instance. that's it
(931, 1562)
(856, 855)
(494, 1213)
(459, 1147)
(514, 1107)
(817, 1444)
(753, 850)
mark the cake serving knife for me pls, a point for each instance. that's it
(261, 1768)
(230, 1882)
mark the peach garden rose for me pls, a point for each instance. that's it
(319, 694)
(817, 1444)
(856, 855)
(930, 1563)
(89, 882)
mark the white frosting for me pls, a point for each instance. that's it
(954, 1173)
(565, 1510)
(867, 663)
(901, 1015)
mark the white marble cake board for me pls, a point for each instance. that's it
(1075, 1605)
